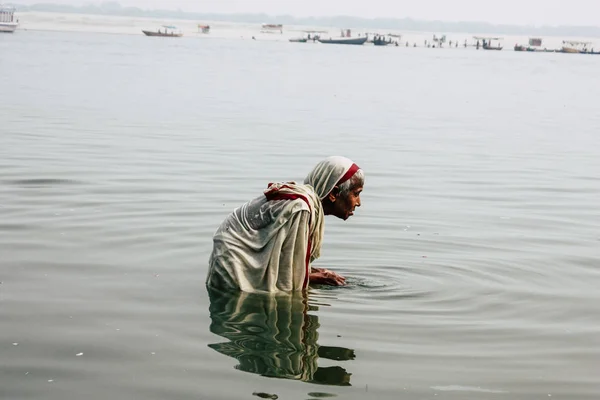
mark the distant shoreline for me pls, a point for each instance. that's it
(408, 24)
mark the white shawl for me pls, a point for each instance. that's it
(268, 243)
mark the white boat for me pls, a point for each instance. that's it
(575, 46)
(170, 31)
(8, 23)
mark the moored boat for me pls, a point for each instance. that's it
(486, 43)
(381, 40)
(355, 41)
(169, 31)
(535, 46)
(8, 23)
(575, 47)
(298, 40)
(203, 28)
(270, 28)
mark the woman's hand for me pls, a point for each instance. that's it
(323, 276)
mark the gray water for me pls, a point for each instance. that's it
(473, 263)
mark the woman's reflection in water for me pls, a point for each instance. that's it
(274, 336)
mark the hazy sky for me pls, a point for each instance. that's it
(536, 12)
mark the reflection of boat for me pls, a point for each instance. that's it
(7, 19)
(170, 31)
(274, 336)
(357, 40)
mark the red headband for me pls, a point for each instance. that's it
(349, 174)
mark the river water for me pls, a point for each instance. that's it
(473, 263)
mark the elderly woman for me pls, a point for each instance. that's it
(269, 243)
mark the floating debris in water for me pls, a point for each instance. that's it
(50, 380)
(263, 395)
(78, 354)
(153, 353)
(15, 344)
(321, 395)
(458, 388)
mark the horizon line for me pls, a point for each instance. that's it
(113, 8)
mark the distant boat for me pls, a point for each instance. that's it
(576, 47)
(356, 41)
(169, 31)
(269, 28)
(487, 43)
(298, 40)
(204, 28)
(381, 41)
(7, 19)
(535, 45)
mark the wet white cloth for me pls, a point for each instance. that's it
(268, 243)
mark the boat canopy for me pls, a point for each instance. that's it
(575, 42)
(535, 41)
(486, 38)
(169, 26)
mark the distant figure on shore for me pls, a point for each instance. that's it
(269, 243)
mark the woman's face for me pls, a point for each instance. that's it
(343, 206)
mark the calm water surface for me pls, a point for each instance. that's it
(474, 262)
